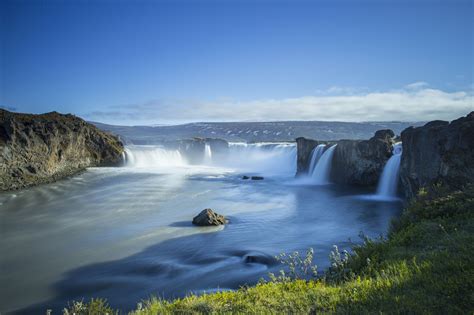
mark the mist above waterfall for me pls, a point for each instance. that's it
(152, 157)
(262, 158)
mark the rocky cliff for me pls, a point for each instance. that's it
(438, 152)
(361, 162)
(304, 147)
(38, 149)
(355, 162)
(194, 149)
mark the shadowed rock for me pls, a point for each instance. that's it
(207, 217)
(438, 153)
(37, 149)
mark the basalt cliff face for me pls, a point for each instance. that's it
(37, 149)
(304, 147)
(439, 152)
(355, 162)
(362, 162)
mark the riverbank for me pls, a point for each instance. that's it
(425, 265)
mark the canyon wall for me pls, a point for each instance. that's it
(360, 162)
(42, 148)
(438, 152)
(355, 162)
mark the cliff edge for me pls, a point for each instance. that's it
(37, 149)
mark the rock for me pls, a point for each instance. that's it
(438, 152)
(37, 149)
(245, 177)
(257, 177)
(193, 149)
(207, 217)
(304, 148)
(355, 162)
(361, 162)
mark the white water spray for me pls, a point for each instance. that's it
(207, 154)
(388, 183)
(323, 167)
(263, 158)
(315, 156)
(152, 157)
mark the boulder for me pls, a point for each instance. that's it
(438, 152)
(207, 217)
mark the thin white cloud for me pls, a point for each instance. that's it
(415, 102)
(417, 85)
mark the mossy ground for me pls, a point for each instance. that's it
(425, 265)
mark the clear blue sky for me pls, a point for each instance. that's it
(137, 62)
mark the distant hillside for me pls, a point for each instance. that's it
(255, 131)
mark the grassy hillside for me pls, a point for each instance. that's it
(424, 266)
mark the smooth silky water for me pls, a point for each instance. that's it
(126, 234)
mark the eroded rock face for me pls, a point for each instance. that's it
(438, 152)
(193, 149)
(304, 147)
(207, 217)
(355, 162)
(361, 162)
(38, 149)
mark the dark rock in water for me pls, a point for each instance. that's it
(438, 152)
(207, 217)
(257, 177)
(38, 149)
(245, 177)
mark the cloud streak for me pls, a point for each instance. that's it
(414, 102)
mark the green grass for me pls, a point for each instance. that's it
(425, 265)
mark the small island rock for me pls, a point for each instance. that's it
(207, 217)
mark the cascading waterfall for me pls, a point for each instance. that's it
(152, 157)
(388, 183)
(315, 156)
(264, 158)
(323, 167)
(207, 154)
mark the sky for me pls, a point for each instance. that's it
(168, 62)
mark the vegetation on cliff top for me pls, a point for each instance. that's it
(425, 265)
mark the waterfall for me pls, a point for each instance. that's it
(315, 156)
(323, 167)
(264, 158)
(388, 183)
(207, 154)
(144, 156)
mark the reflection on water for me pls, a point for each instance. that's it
(124, 233)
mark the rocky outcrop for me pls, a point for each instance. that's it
(194, 149)
(207, 217)
(38, 149)
(304, 147)
(355, 162)
(360, 162)
(438, 152)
